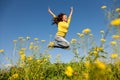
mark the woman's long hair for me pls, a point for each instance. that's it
(57, 19)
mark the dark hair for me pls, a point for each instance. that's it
(57, 19)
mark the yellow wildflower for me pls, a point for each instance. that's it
(95, 53)
(22, 65)
(15, 76)
(69, 71)
(20, 38)
(73, 41)
(102, 31)
(104, 7)
(15, 41)
(23, 49)
(108, 69)
(1, 51)
(38, 60)
(100, 65)
(96, 49)
(115, 36)
(113, 42)
(117, 10)
(51, 44)
(115, 22)
(42, 41)
(114, 55)
(86, 76)
(49, 56)
(86, 31)
(90, 35)
(81, 35)
(23, 57)
(100, 49)
(29, 58)
(87, 64)
(31, 47)
(36, 39)
(103, 40)
(45, 59)
(21, 52)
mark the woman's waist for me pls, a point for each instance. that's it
(62, 34)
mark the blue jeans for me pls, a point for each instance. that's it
(61, 42)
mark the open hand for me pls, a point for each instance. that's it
(49, 9)
(71, 8)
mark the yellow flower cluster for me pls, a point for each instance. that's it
(100, 65)
(42, 41)
(117, 10)
(23, 49)
(95, 52)
(29, 58)
(22, 54)
(103, 40)
(20, 38)
(51, 44)
(49, 56)
(23, 57)
(113, 42)
(1, 51)
(90, 35)
(86, 76)
(14, 76)
(73, 41)
(115, 36)
(69, 71)
(114, 55)
(87, 64)
(104, 7)
(98, 49)
(31, 46)
(81, 35)
(36, 39)
(115, 22)
(38, 60)
(14, 41)
(86, 31)
(102, 32)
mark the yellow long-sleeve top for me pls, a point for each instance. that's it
(63, 27)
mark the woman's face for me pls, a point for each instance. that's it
(64, 18)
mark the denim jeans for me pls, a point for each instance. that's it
(61, 42)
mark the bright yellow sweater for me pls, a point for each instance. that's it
(63, 27)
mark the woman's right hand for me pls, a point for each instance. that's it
(49, 9)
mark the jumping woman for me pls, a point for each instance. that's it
(62, 22)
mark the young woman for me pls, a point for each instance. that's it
(62, 23)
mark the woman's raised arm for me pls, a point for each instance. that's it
(49, 10)
(71, 11)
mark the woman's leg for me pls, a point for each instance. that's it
(61, 42)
